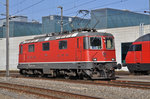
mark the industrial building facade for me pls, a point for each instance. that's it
(51, 24)
(124, 25)
(20, 27)
(114, 18)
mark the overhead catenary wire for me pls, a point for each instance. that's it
(21, 2)
(83, 4)
(116, 2)
(28, 7)
(89, 2)
(80, 5)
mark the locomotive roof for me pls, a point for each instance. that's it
(71, 35)
(143, 38)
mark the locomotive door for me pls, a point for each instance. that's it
(22, 54)
(78, 50)
(138, 53)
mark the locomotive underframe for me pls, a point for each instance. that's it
(88, 70)
(139, 68)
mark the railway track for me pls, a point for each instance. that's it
(115, 83)
(44, 93)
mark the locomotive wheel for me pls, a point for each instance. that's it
(23, 72)
(38, 73)
(86, 78)
(66, 77)
(26, 75)
(40, 76)
(103, 73)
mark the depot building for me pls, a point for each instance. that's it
(126, 26)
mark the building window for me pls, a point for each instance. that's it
(45, 46)
(31, 48)
(21, 49)
(62, 44)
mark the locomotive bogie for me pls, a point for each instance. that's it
(78, 70)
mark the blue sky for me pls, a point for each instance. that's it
(35, 9)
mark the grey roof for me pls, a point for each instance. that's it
(71, 35)
(123, 10)
(143, 38)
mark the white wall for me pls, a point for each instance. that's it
(13, 53)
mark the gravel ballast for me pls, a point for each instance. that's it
(105, 92)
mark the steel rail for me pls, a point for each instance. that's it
(46, 93)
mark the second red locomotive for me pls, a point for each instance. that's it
(138, 56)
(89, 55)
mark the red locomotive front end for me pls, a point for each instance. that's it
(137, 59)
(89, 55)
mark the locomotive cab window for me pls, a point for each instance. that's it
(21, 49)
(109, 43)
(135, 47)
(31, 48)
(45, 46)
(63, 44)
(95, 43)
(138, 47)
(132, 47)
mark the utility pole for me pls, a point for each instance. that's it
(7, 38)
(149, 7)
(61, 18)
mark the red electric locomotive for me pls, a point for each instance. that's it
(138, 56)
(89, 55)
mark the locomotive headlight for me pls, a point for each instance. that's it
(94, 59)
(113, 59)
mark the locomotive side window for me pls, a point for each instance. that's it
(85, 42)
(77, 42)
(21, 49)
(109, 43)
(31, 48)
(138, 47)
(62, 44)
(95, 43)
(45, 46)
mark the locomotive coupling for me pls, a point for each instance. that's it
(118, 66)
(124, 64)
